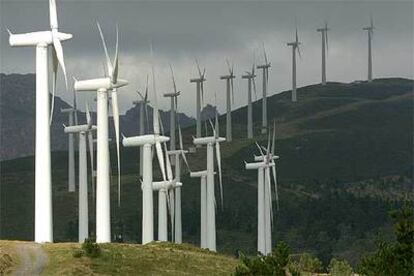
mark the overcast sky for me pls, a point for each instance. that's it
(213, 31)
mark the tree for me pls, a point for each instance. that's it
(393, 258)
(339, 268)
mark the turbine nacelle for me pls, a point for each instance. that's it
(36, 38)
(79, 128)
(97, 84)
(172, 94)
(67, 110)
(262, 158)
(149, 139)
(208, 140)
(258, 165)
(165, 185)
(199, 174)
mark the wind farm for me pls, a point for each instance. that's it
(291, 164)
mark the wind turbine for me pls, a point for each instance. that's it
(263, 164)
(295, 47)
(44, 112)
(265, 68)
(143, 107)
(229, 90)
(199, 96)
(104, 86)
(83, 131)
(324, 33)
(173, 114)
(176, 193)
(370, 31)
(211, 142)
(146, 141)
(250, 76)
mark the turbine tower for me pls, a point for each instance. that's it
(71, 151)
(324, 33)
(104, 86)
(43, 176)
(229, 90)
(211, 142)
(203, 206)
(83, 131)
(176, 201)
(146, 141)
(370, 31)
(263, 164)
(295, 47)
(265, 68)
(199, 96)
(173, 113)
(250, 76)
(143, 107)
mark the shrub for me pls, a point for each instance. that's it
(91, 248)
(272, 264)
(305, 262)
(339, 268)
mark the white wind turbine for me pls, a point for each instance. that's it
(175, 195)
(199, 97)
(72, 119)
(250, 76)
(146, 141)
(265, 68)
(173, 113)
(83, 131)
(263, 164)
(143, 107)
(324, 34)
(295, 47)
(211, 142)
(229, 92)
(104, 86)
(370, 31)
(43, 176)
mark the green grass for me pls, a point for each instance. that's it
(132, 259)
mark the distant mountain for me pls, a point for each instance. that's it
(17, 118)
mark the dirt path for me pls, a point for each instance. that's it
(32, 259)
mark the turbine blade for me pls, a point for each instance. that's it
(55, 67)
(53, 14)
(172, 211)
(88, 116)
(198, 68)
(115, 115)
(260, 149)
(59, 54)
(276, 188)
(108, 60)
(218, 156)
(116, 59)
(273, 138)
(75, 107)
(91, 154)
(160, 157)
(269, 190)
(173, 79)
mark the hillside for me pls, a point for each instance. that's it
(119, 259)
(17, 118)
(346, 159)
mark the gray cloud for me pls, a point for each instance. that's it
(213, 31)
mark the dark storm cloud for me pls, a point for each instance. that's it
(213, 31)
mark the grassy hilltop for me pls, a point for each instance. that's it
(346, 159)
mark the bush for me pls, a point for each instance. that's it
(339, 268)
(91, 248)
(304, 263)
(272, 264)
